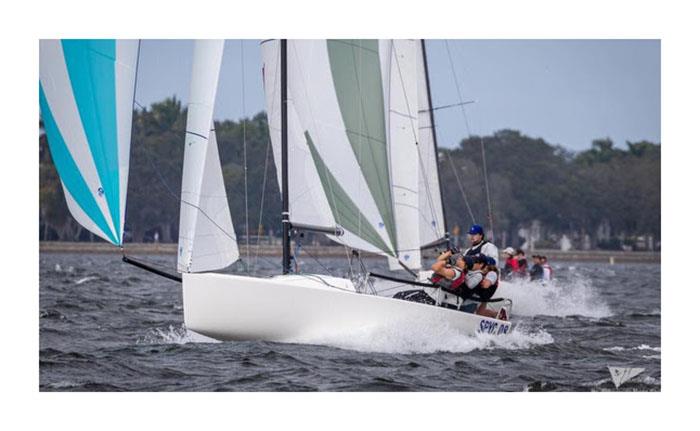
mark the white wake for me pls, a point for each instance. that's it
(425, 337)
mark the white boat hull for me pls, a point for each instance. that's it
(299, 307)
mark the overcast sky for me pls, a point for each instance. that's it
(567, 92)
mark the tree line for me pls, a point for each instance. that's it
(603, 189)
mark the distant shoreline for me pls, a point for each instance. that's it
(333, 251)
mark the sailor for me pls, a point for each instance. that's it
(484, 291)
(522, 263)
(479, 245)
(547, 273)
(511, 265)
(536, 272)
(451, 274)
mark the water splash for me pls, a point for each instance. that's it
(424, 337)
(173, 335)
(555, 298)
(86, 279)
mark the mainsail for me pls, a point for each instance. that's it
(86, 95)
(354, 130)
(207, 240)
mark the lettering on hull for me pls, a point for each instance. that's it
(489, 327)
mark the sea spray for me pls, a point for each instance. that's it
(575, 296)
(87, 279)
(426, 337)
(173, 335)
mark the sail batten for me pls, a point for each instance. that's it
(86, 91)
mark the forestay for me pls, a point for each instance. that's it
(86, 95)
(207, 240)
(354, 131)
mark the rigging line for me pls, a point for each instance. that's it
(424, 174)
(245, 160)
(488, 193)
(262, 202)
(316, 260)
(174, 196)
(459, 185)
(267, 157)
(452, 105)
(318, 278)
(481, 140)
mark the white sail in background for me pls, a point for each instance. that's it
(207, 240)
(353, 126)
(86, 94)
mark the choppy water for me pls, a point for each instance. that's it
(108, 326)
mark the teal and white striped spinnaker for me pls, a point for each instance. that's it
(361, 154)
(86, 95)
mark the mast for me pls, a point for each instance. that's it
(286, 252)
(432, 130)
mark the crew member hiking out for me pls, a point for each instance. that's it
(480, 245)
(450, 273)
(484, 291)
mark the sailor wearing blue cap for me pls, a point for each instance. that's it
(480, 245)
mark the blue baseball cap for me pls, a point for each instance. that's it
(482, 258)
(476, 229)
(469, 261)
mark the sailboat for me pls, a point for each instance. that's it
(353, 140)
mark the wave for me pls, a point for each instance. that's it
(640, 347)
(86, 279)
(173, 335)
(423, 338)
(555, 298)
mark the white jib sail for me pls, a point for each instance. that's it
(207, 240)
(399, 63)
